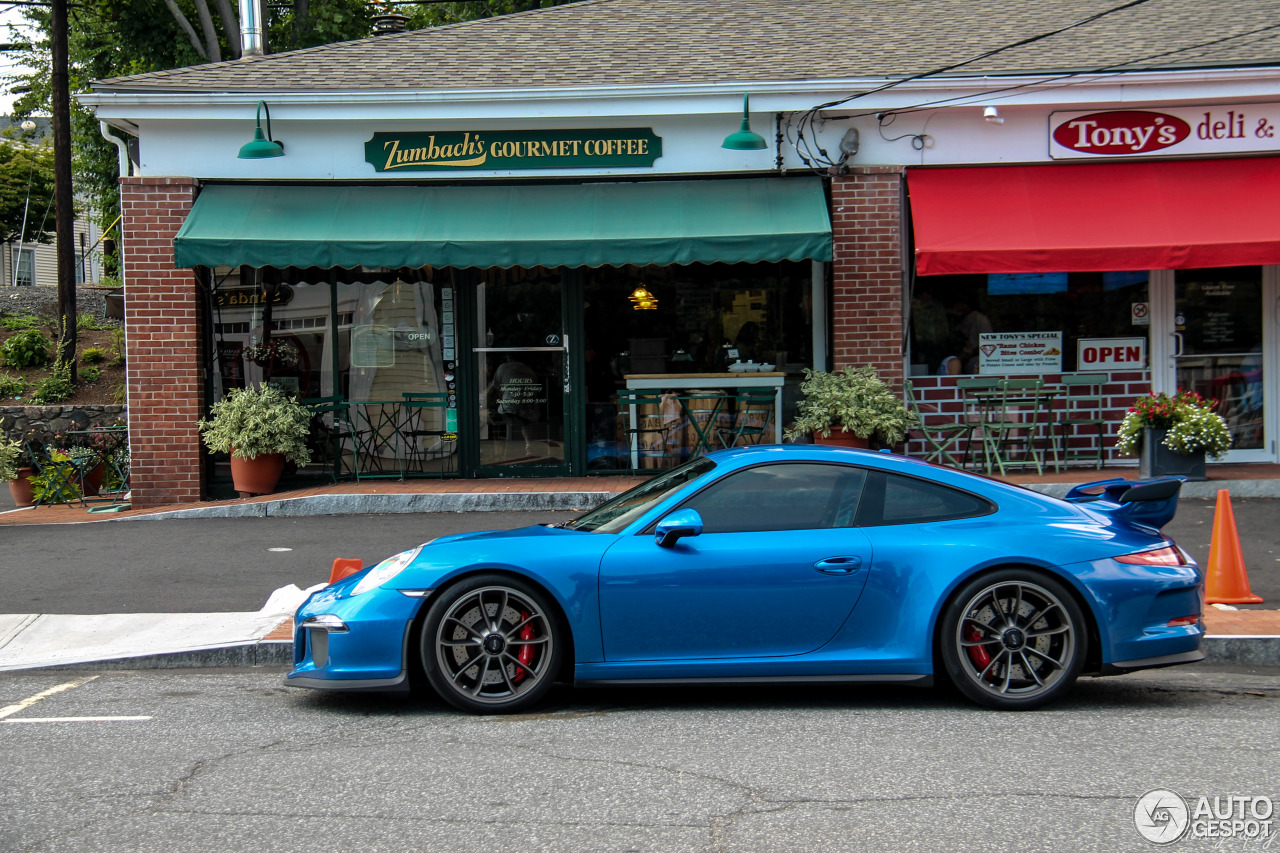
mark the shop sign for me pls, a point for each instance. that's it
(1020, 352)
(373, 346)
(237, 297)
(1173, 132)
(454, 150)
(1097, 353)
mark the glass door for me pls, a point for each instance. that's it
(1220, 339)
(521, 360)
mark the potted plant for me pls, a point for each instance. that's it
(262, 428)
(1173, 434)
(15, 472)
(857, 402)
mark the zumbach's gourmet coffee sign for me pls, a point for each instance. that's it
(1177, 131)
(236, 297)
(453, 151)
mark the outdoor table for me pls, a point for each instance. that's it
(1029, 405)
(110, 461)
(711, 383)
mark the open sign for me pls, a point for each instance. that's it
(1093, 353)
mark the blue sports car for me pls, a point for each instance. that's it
(771, 564)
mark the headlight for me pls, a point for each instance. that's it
(386, 570)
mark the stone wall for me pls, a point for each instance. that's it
(17, 421)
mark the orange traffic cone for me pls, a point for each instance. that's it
(344, 567)
(1226, 582)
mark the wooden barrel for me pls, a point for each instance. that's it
(650, 440)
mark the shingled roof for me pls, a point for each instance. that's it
(655, 42)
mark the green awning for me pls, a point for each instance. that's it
(573, 225)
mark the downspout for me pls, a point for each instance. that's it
(252, 42)
(126, 169)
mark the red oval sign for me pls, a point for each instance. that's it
(1122, 132)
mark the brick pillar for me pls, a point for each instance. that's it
(866, 311)
(162, 330)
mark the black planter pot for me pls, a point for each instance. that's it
(1156, 460)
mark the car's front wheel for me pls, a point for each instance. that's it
(491, 644)
(1013, 640)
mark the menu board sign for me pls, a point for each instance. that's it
(1020, 352)
(373, 346)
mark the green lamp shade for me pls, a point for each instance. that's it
(260, 147)
(744, 139)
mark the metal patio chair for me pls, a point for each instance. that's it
(942, 440)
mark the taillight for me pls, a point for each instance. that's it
(1168, 556)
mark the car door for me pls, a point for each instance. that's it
(776, 570)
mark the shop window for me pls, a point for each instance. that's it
(1054, 311)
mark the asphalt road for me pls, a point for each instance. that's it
(233, 761)
(228, 565)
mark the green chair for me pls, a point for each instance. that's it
(332, 434)
(419, 407)
(943, 440)
(1011, 424)
(978, 392)
(1083, 407)
(55, 480)
(752, 416)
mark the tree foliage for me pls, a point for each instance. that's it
(114, 38)
(26, 192)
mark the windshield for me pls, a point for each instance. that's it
(616, 513)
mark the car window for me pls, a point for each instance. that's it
(784, 496)
(894, 499)
(618, 512)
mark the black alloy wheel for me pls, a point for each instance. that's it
(1013, 640)
(492, 644)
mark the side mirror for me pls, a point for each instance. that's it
(685, 522)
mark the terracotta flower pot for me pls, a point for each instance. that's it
(21, 489)
(842, 439)
(258, 476)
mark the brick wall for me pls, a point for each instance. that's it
(941, 402)
(166, 389)
(867, 271)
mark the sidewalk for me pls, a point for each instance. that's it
(264, 638)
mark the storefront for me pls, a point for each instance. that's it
(392, 297)
(503, 243)
(1158, 273)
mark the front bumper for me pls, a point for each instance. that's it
(353, 643)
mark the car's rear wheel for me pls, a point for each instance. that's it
(491, 644)
(1013, 640)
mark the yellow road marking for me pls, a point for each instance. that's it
(10, 710)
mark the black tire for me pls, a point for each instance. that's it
(492, 644)
(1013, 640)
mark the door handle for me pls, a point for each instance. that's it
(838, 565)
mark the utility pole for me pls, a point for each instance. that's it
(63, 198)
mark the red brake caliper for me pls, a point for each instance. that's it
(978, 654)
(525, 655)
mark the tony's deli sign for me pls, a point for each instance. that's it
(1177, 131)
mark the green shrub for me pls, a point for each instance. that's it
(109, 281)
(54, 388)
(28, 348)
(12, 457)
(90, 374)
(11, 386)
(117, 347)
(119, 394)
(90, 323)
(18, 322)
(93, 355)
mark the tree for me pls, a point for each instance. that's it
(26, 192)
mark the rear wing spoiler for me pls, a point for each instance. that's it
(1151, 503)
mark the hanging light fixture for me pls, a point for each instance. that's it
(744, 139)
(643, 300)
(261, 147)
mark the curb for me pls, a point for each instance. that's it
(1220, 650)
(263, 653)
(390, 504)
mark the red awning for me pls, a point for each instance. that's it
(1088, 217)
